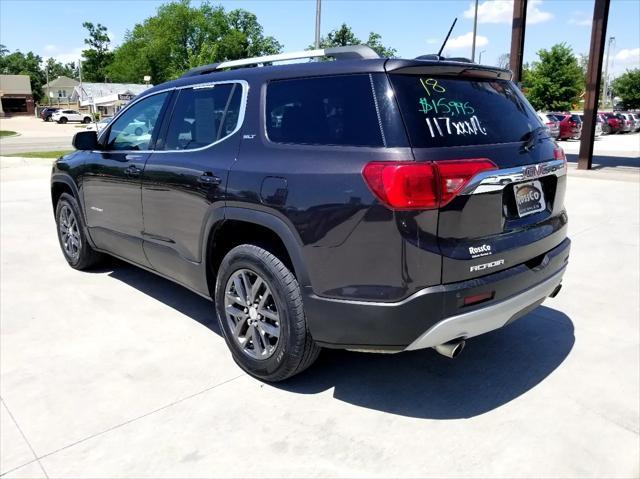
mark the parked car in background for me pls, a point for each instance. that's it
(570, 126)
(46, 113)
(63, 116)
(552, 124)
(614, 124)
(598, 129)
(627, 122)
(636, 118)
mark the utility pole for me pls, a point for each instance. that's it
(605, 89)
(517, 38)
(594, 77)
(48, 86)
(318, 11)
(475, 28)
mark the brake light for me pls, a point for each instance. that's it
(558, 154)
(407, 185)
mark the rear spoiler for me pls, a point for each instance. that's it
(446, 68)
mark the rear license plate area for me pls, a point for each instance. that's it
(529, 198)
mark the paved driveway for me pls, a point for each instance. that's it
(118, 373)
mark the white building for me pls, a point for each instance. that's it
(106, 98)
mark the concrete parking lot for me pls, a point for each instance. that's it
(119, 373)
(36, 135)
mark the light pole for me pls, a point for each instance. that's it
(475, 28)
(480, 56)
(605, 88)
(318, 11)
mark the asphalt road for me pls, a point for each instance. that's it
(119, 373)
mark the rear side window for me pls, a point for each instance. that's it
(202, 116)
(444, 112)
(335, 110)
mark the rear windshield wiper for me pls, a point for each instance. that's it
(530, 138)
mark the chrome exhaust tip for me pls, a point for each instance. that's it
(451, 349)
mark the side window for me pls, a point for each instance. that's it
(332, 110)
(134, 129)
(202, 116)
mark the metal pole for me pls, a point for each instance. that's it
(594, 77)
(48, 86)
(480, 56)
(606, 74)
(318, 11)
(517, 38)
(475, 29)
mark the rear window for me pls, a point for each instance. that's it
(331, 110)
(459, 112)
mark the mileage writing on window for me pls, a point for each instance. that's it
(447, 116)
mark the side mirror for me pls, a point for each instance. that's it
(86, 140)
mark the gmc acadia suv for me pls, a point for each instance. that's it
(364, 203)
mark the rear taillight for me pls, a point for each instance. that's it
(412, 185)
(558, 154)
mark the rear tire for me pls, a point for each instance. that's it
(86, 120)
(71, 234)
(245, 272)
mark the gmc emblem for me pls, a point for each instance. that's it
(536, 170)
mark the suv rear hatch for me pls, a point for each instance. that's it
(510, 209)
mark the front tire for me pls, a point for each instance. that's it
(71, 234)
(86, 120)
(261, 316)
(63, 120)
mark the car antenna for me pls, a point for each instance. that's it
(448, 35)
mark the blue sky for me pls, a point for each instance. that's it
(413, 27)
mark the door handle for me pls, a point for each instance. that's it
(132, 170)
(209, 179)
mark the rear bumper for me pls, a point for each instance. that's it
(437, 314)
(483, 320)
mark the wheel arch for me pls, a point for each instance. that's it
(249, 226)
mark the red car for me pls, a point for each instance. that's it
(570, 125)
(611, 123)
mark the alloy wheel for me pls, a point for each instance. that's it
(252, 314)
(69, 232)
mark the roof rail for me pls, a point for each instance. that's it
(353, 52)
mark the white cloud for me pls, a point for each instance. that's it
(465, 40)
(628, 56)
(50, 48)
(580, 18)
(432, 41)
(67, 56)
(535, 15)
(501, 11)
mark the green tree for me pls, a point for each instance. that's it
(18, 63)
(181, 36)
(556, 81)
(57, 69)
(627, 87)
(344, 36)
(97, 57)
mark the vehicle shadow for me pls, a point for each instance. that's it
(494, 368)
(602, 161)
